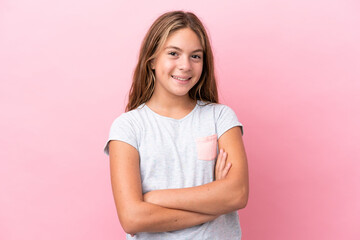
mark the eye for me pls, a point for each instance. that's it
(172, 54)
(196, 56)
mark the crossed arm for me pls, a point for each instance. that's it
(174, 209)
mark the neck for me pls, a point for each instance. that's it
(171, 104)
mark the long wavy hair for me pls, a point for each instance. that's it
(143, 83)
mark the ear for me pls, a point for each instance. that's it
(152, 64)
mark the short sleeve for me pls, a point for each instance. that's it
(226, 119)
(122, 129)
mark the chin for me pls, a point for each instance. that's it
(178, 94)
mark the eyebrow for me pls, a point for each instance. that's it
(179, 49)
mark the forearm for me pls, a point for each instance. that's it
(218, 197)
(148, 217)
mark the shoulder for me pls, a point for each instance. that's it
(218, 109)
(223, 115)
(126, 128)
(131, 117)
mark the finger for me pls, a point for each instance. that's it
(222, 162)
(218, 161)
(226, 170)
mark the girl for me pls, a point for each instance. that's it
(177, 161)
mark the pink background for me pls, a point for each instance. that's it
(289, 69)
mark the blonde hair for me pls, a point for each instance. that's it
(143, 83)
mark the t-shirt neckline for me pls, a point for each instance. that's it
(173, 119)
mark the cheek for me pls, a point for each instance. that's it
(167, 68)
(199, 69)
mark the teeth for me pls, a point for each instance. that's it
(181, 79)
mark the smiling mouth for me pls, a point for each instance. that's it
(180, 78)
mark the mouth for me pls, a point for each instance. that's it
(181, 78)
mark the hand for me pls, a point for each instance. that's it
(222, 168)
(147, 197)
(153, 197)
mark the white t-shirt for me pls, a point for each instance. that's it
(179, 153)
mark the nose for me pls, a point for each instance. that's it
(184, 63)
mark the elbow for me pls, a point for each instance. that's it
(242, 202)
(241, 199)
(129, 229)
(129, 223)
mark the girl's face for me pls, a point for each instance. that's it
(179, 64)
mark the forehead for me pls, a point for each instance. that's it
(185, 39)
